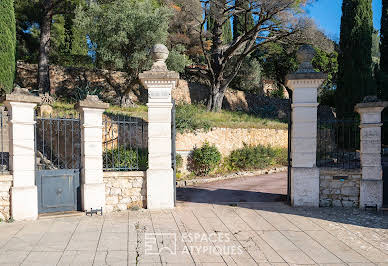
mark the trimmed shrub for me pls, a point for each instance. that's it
(256, 157)
(205, 159)
(126, 158)
(7, 45)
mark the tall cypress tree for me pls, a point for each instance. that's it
(242, 22)
(7, 45)
(384, 52)
(227, 35)
(355, 58)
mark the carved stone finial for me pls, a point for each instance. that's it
(21, 95)
(92, 101)
(20, 91)
(159, 54)
(305, 56)
(370, 99)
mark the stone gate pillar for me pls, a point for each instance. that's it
(304, 174)
(160, 178)
(371, 187)
(24, 193)
(92, 184)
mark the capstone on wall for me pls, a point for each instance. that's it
(5, 199)
(124, 190)
(339, 187)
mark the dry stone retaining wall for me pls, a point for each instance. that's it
(124, 190)
(229, 139)
(339, 187)
(5, 198)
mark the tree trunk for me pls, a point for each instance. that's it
(44, 49)
(215, 99)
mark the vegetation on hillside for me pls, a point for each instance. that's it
(7, 45)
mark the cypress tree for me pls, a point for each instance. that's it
(384, 51)
(227, 35)
(7, 45)
(355, 58)
(242, 22)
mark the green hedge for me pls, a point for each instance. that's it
(7, 45)
(256, 157)
(205, 159)
(123, 158)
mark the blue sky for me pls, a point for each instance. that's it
(327, 14)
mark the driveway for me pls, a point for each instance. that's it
(264, 188)
(202, 234)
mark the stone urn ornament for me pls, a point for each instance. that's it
(305, 56)
(45, 107)
(159, 53)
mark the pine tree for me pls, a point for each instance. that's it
(355, 59)
(242, 22)
(7, 45)
(384, 52)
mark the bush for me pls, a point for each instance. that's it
(256, 157)
(7, 45)
(179, 161)
(205, 159)
(126, 158)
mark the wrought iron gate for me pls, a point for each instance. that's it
(58, 157)
(173, 145)
(384, 155)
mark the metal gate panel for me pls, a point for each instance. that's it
(57, 190)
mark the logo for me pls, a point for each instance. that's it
(167, 242)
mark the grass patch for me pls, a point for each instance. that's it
(188, 117)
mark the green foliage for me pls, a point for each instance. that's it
(187, 118)
(81, 92)
(242, 22)
(355, 59)
(123, 32)
(205, 159)
(7, 45)
(277, 93)
(249, 76)
(227, 35)
(177, 59)
(179, 161)
(126, 158)
(256, 157)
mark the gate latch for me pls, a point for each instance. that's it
(95, 211)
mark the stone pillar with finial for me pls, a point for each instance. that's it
(304, 84)
(159, 82)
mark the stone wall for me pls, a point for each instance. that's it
(5, 199)
(229, 139)
(124, 190)
(339, 187)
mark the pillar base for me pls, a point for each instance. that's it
(371, 193)
(93, 196)
(24, 203)
(305, 186)
(160, 189)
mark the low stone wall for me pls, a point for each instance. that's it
(5, 198)
(229, 139)
(124, 190)
(339, 187)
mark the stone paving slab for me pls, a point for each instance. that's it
(202, 234)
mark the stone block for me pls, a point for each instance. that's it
(160, 115)
(304, 145)
(115, 191)
(24, 203)
(370, 146)
(372, 173)
(370, 133)
(305, 95)
(304, 130)
(304, 114)
(305, 187)
(303, 159)
(160, 189)
(159, 161)
(93, 196)
(350, 191)
(371, 193)
(156, 129)
(371, 159)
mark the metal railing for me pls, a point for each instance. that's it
(124, 143)
(4, 141)
(58, 142)
(338, 143)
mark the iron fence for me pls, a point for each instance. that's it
(4, 141)
(338, 143)
(124, 143)
(58, 142)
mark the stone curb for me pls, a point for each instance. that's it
(190, 182)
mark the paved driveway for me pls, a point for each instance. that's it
(202, 234)
(264, 188)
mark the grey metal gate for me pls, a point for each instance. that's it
(58, 158)
(173, 145)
